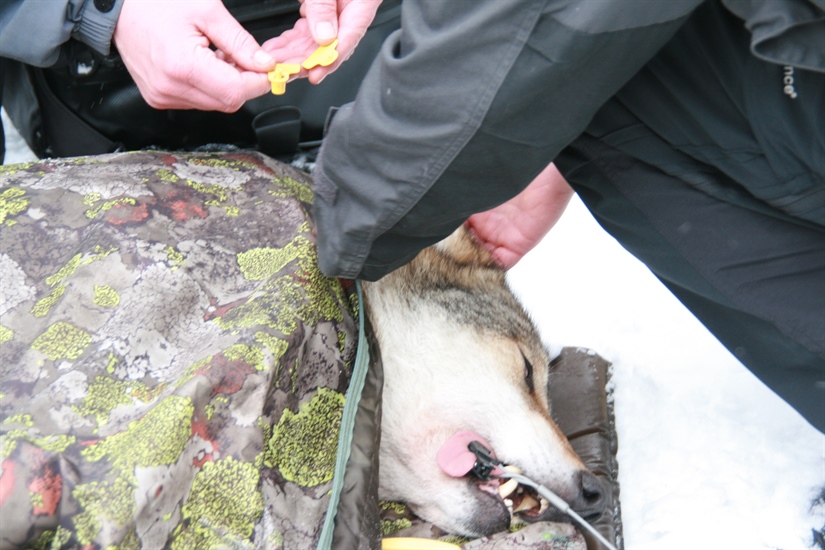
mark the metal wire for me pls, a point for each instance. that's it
(559, 503)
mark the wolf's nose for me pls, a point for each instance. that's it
(592, 497)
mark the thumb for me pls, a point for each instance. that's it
(322, 16)
(228, 36)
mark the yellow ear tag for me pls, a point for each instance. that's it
(279, 77)
(323, 56)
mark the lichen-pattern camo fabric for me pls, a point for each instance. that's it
(174, 365)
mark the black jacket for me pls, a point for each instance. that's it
(470, 100)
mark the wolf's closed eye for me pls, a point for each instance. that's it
(528, 373)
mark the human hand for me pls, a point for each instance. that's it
(511, 230)
(165, 47)
(321, 22)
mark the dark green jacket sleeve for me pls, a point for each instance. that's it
(463, 107)
(33, 32)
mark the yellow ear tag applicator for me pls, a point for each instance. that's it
(323, 56)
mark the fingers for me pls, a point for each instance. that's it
(350, 19)
(170, 59)
(506, 258)
(513, 228)
(202, 82)
(228, 36)
(203, 95)
(322, 16)
(293, 45)
(354, 19)
(224, 87)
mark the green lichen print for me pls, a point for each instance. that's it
(157, 438)
(303, 445)
(260, 263)
(103, 395)
(44, 305)
(223, 505)
(106, 296)
(12, 203)
(62, 341)
(6, 334)
(102, 502)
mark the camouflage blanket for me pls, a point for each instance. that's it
(174, 365)
(175, 372)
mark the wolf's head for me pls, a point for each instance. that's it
(462, 359)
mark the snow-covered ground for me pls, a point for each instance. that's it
(709, 458)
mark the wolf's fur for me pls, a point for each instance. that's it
(456, 343)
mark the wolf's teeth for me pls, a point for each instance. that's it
(506, 488)
(526, 503)
(545, 504)
(512, 469)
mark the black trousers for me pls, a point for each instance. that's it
(755, 278)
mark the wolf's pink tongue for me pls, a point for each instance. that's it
(454, 458)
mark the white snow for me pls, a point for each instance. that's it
(708, 457)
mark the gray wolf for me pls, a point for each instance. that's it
(462, 359)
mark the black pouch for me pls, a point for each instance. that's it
(88, 104)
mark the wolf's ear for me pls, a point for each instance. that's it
(462, 248)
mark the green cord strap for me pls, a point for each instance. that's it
(353, 398)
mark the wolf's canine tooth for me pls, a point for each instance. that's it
(545, 504)
(512, 469)
(507, 488)
(526, 503)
